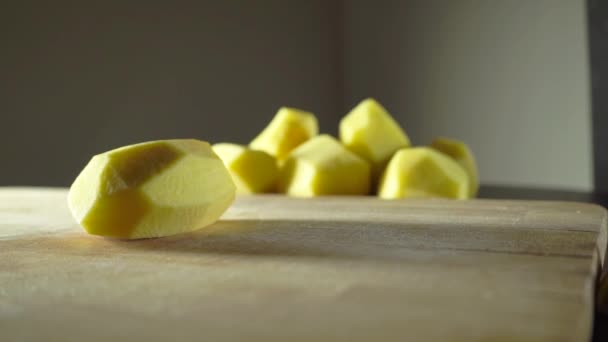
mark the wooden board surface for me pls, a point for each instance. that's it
(328, 269)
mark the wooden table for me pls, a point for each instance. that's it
(327, 269)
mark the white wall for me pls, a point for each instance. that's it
(508, 76)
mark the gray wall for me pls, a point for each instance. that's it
(82, 77)
(508, 76)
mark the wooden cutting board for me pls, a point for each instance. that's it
(327, 269)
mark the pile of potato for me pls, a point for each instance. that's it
(165, 187)
(373, 156)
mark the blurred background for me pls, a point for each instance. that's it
(512, 78)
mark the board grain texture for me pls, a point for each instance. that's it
(324, 269)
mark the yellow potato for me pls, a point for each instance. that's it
(151, 189)
(463, 156)
(252, 171)
(423, 172)
(322, 166)
(371, 132)
(289, 128)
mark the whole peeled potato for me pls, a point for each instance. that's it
(152, 189)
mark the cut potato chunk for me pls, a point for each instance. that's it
(463, 156)
(423, 172)
(371, 132)
(322, 166)
(151, 189)
(289, 128)
(252, 171)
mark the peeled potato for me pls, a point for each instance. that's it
(463, 156)
(371, 132)
(322, 166)
(152, 189)
(423, 172)
(252, 171)
(289, 128)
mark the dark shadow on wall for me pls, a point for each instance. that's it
(78, 78)
(597, 20)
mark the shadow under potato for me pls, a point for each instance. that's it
(355, 239)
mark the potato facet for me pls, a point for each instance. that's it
(463, 156)
(423, 172)
(151, 189)
(289, 128)
(371, 132)
(252, 171)
(322, 166)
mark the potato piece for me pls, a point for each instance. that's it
(371, 132)
(422, 172)
(289, 128)
(463, 156)
(252, 171)
(322, 166)
(151, 189)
